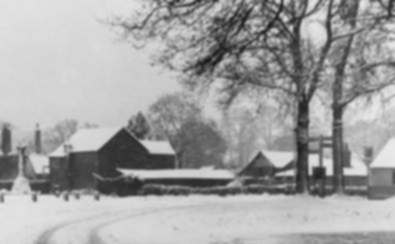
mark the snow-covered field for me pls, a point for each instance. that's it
(194, 219)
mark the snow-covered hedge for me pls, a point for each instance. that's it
(156, 189)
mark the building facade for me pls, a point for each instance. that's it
(382, 173)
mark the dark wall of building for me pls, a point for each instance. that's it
(260, 166)
(58, 173)
(82, 165)
(74, 172)
(125, 152)
(9, 168)
(162, 161)
(121, 151)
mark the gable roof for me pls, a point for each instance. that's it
(386, 157)
(158, 147)
(93, 139)
(276, 159)
(258, 161)
(279, 159)
(86, 140)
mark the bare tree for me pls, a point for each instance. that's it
(359, 64)
(139, 126)
(244, 43)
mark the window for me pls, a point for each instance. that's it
(393, 177)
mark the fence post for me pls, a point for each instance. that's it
(97, 196)
(34, 197)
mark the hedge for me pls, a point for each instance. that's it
(157, 189)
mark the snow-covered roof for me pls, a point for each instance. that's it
(279, 158)
(158, 147)
(40, 163)
(219, 174)
(358, 168)
(93, 139)
(386, 157)
(85, 140)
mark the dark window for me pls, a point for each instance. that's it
(393, 177)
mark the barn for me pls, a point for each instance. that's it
(100, 151)
(382, 173)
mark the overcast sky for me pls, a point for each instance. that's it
(57, 61)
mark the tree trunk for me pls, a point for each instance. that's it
(350, 13)
(302, 146)
(337, 138)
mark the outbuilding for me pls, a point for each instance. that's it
(264, 165)
(382, 173)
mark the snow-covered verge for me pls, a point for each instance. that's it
(24, 221)
(193, 219)
(259, 219)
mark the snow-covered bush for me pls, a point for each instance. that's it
(157, 189)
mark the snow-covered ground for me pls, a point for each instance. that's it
(193, 219)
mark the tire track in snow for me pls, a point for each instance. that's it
(45, 237)
(102, 220)
(94, 236)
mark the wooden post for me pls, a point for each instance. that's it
(66, 197)
(321, 151)
(368, 155)
(34, 197)
(97, 196)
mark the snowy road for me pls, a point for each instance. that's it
(195, 219)
(87, 230)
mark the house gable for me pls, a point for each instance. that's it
(259, 166)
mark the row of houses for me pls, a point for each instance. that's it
(91, 158)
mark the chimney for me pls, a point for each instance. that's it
(6, 142)
(368, 155)
(37, 140)
(68, 148)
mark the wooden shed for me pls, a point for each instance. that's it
(382, 173)
(100, 151)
